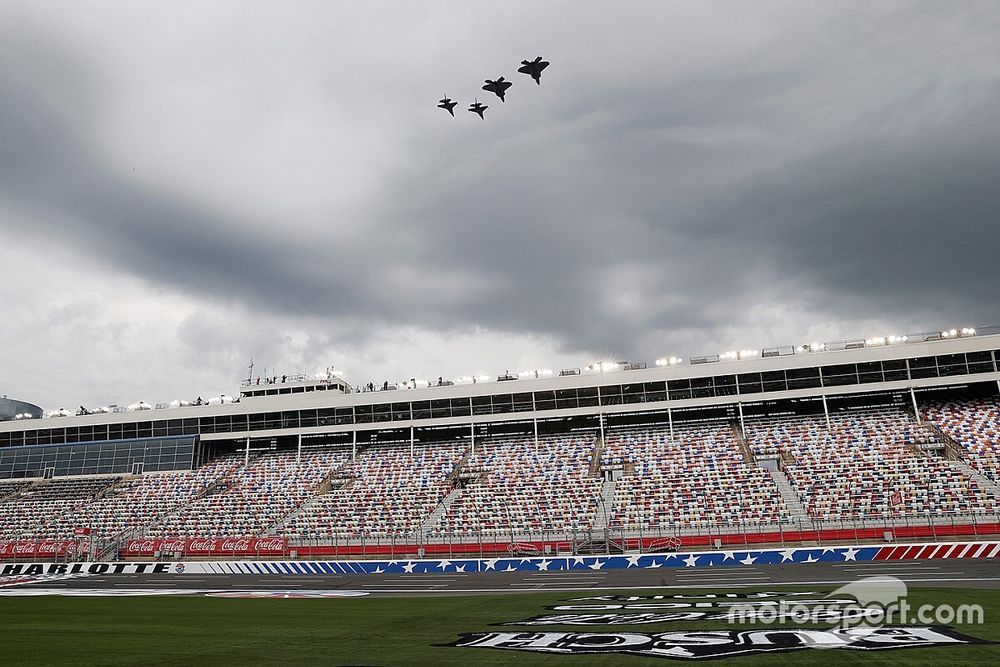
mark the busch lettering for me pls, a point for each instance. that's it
(713, 644)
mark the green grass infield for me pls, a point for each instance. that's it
(389, 631)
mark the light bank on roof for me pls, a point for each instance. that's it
(936, 359)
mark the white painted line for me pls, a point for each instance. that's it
(676, 586)
(714, 574)
(554, 583)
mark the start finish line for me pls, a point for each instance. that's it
(703, 559)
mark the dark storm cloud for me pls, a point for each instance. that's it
(848, 164)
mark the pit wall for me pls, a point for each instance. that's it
(275, 547)
(702, 559)
(726, 558)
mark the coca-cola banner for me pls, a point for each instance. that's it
(33, 549)
(207, 546)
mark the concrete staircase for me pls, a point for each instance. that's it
(796, 510)
(748, 455)
(432, 519)
(984, 481)
(953, 450)
(605, 506)
(595, 457)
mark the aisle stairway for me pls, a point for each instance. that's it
(796, 510)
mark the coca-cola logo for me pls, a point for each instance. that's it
(142, 546)
(172, 545)
(231, 544)
(51, 548)
(24, 548)
(201, 544)
(271, 544)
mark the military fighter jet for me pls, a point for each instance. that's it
(498, 87)
(479, 109)
(447, 105)
(534, 68)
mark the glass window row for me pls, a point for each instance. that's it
(616, 394)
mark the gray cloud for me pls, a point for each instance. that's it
(680, 171)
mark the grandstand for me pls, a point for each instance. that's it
(784, 442)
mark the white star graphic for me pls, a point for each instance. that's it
(444, 564)
(459, 568)
(408, 568)
(851, 554)
(811, 559)
(491, 564)
(633, 561)
(787, 554)
(690, 561)
(378, 570)
(597, 565)
(578, 560)
(653, 564)
(509, 568)
(749, 560)
(728, 555)
(543, 564)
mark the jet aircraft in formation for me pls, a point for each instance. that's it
(498, 87)
(448, 105)
(479, 109)
(533, 69)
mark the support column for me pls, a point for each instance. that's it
(826, 412)
(916, 410)
(739, 406)
(354, 444)
(411, 442)
(536, 434)
(472, 437)
(600, 418)
(298, 454)
(670, 418)
(246, 454)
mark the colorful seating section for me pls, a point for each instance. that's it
(862, 464)
(12, 487)
(866, 464)
(259, 496)
(387, 492)
(698, 477)
(520, 488)
(141, 500)
(34, 506)
(975, 425)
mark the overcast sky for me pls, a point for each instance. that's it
(184, 185)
